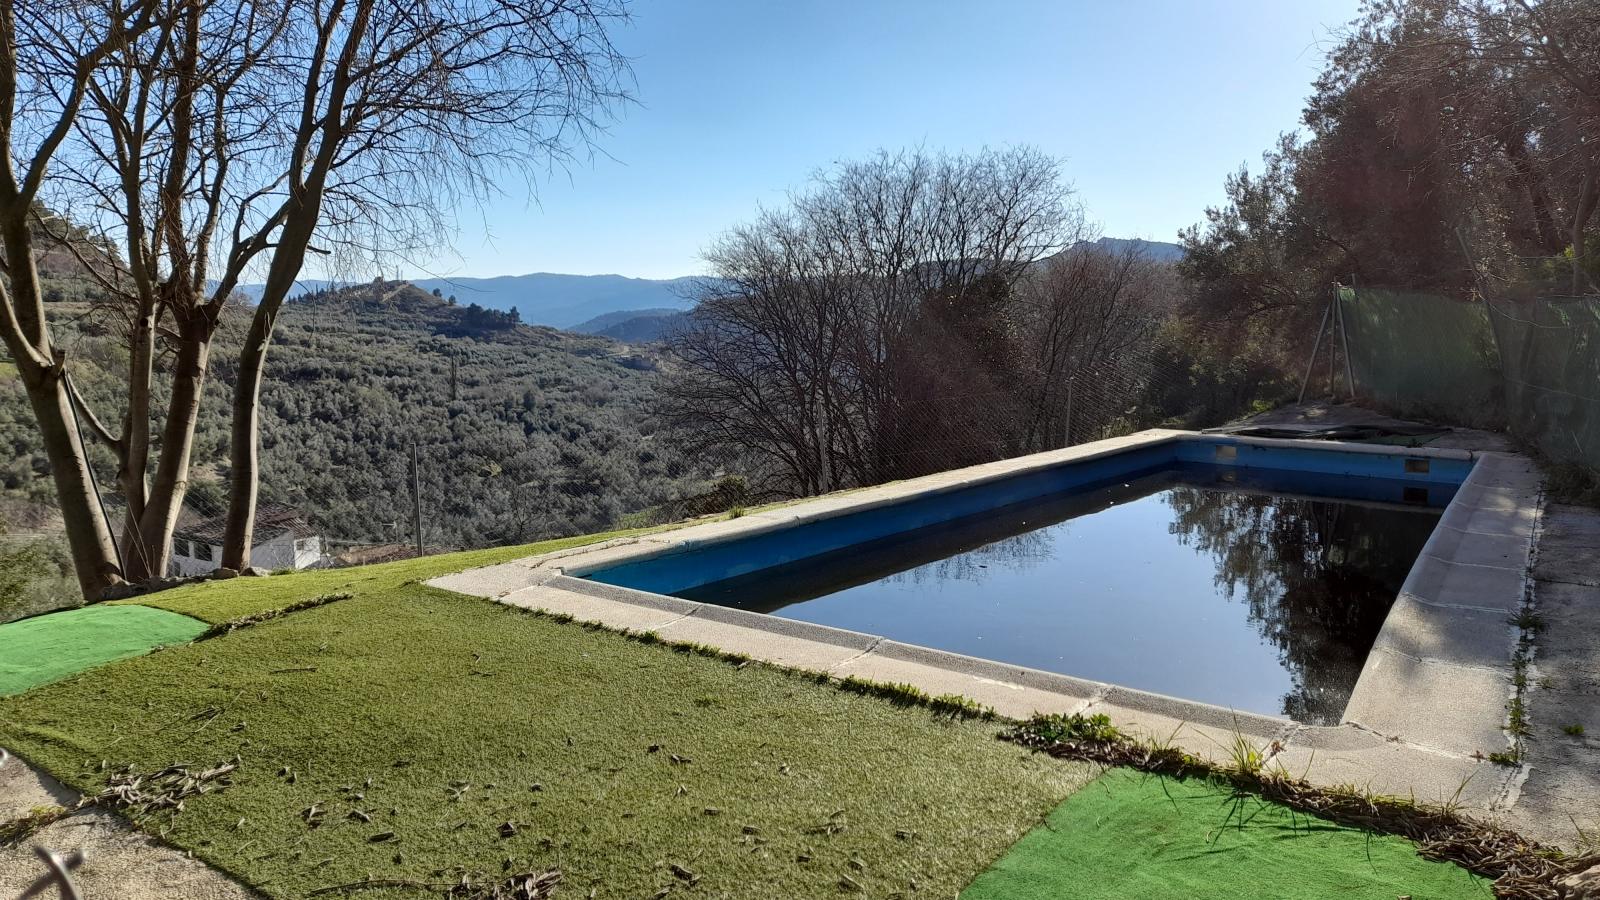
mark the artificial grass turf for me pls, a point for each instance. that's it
(49, 647)
(1132, 835)
(222, 601)
(759, 782)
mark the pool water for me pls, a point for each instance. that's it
(1258, 590)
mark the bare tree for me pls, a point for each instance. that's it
(863, 332)
(1087, 315)
(393, 110)
(49, 54)
(159, 157)
(201, 140)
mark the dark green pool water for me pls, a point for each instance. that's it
(1256, 594)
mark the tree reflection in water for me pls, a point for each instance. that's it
(1317, 578)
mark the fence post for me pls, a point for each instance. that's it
(1344, 337)
(416, 497)
(1312, 361)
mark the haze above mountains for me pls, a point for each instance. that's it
(627, 309)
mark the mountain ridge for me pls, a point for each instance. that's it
(575, 302)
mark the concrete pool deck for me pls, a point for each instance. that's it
(1428, 711)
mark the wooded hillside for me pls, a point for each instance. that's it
(522, 431)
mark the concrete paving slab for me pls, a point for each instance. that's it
(1210, 742)
(1229, 721)
(1479, 549)
(1557, 812)
(611, 613)
(1479, 496)
(589, 559)
(1005, 698)
(1571, 564)
(1456, 709)
(991, 669)
(489, 581)
(739, 526)
(1350, 757)
(120, 862)
(1465, 637)
(1512, 522)
(1443, 583)
(24, 789)
(784, 650)
(1503, 470)
(810, 631)
(1573, 526)
(1568, 639)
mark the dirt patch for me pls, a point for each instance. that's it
(119, 863)
(24, 789)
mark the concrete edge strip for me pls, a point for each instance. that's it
(1500, 475)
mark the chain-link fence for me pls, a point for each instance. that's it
(1550, 362)
(1530, 364)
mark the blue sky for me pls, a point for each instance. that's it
(1150, 104)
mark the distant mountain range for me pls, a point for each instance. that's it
(632, 310)
(542, 298)
(632, 326)
(1160, 251)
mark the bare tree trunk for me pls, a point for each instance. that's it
(134, 455)
(171, 482)
(244, 452)
(94, 554)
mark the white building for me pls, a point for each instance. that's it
(283, 540)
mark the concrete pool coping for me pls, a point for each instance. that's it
(1428, 709)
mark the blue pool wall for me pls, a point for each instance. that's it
(693, 565)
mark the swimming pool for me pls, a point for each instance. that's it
(1245, 574)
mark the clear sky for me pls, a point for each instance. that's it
(1150, 103)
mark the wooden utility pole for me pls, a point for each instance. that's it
(416, 498)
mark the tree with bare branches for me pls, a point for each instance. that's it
(49, 56)
(393, 110)
(207, 139)
(866, 331)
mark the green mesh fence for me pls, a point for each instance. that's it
(1550, 355)
(1424, 356)
(1532, 366)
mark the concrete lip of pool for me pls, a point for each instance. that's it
(1324, 598)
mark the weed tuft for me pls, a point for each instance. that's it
(14, 832)
(1095, 729)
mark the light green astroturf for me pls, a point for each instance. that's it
(47, 648)
(1132, 836)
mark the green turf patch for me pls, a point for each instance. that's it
(222, 601)
(46, 648)
(502, 741)
(1131, 835)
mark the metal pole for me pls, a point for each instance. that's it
(1344, 338)
(1066, 432)
(416, 497)
(1306, 381)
